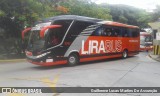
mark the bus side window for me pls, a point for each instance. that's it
(135, 32)
(107, 32)
(132, 32)
(76, 29)
(116, 32)
(124, 32)
(60, 32)
(98, 31)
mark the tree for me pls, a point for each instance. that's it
(156, 13)
(129, 15)
(19, 13)
(14, 16)
(86, 8)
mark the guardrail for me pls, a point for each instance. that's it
(156, 47)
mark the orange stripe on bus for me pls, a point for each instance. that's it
(49, 63)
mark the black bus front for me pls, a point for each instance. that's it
(45, 41)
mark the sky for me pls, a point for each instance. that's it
(148, 5)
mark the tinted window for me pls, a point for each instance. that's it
(56, 35)
(124, 32)
(61, 31)
(117, 31)
(132, 32)
(77, 28)
(108, 31)
(112, 31)
(98, 31)
(148, 39)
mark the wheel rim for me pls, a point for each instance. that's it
(124, 54)
(72, 59)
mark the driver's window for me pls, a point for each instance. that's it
(56, 35)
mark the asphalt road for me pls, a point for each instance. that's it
(136, 71)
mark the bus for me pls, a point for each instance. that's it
(146, 41)
(70, 39)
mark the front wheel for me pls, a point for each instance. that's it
(73, 59)
(125, 54)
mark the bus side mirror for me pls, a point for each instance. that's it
(25, 31)
(42, 32)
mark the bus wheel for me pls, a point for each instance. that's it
(73, 59)
(125, 54)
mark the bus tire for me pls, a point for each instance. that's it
(73, 59)
(125, 54)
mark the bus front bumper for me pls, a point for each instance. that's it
(146, 48)
(48, 63)
(45, 60)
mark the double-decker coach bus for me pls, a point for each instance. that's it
(146, 41)
(70, 39)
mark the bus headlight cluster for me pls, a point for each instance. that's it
(141, 46)
(44, 54)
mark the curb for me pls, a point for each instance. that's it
(154, 58)
(12, 60)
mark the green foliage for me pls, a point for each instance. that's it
(156, 13)
(2, 13)
(86, 8)
(143, 18)
(129, 15)
(14, 16)
(75, 7)
(24, 12)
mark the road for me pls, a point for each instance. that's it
(136, 71)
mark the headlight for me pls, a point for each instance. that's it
(42, 55)
(141, 46)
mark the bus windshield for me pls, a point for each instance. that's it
(51, 38)
(35, 42)
(146, 40)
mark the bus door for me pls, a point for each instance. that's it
(134, 42)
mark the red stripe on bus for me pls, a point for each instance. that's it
(49, 63)
(99, 58)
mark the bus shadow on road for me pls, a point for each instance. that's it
(49, 67)
(80, 64)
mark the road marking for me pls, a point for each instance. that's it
(14, 60)
(16, 94)
(45, 80)
(49, 82)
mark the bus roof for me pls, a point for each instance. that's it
(72, 17)
(88, 19)
(118, 24)
(144, 34)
